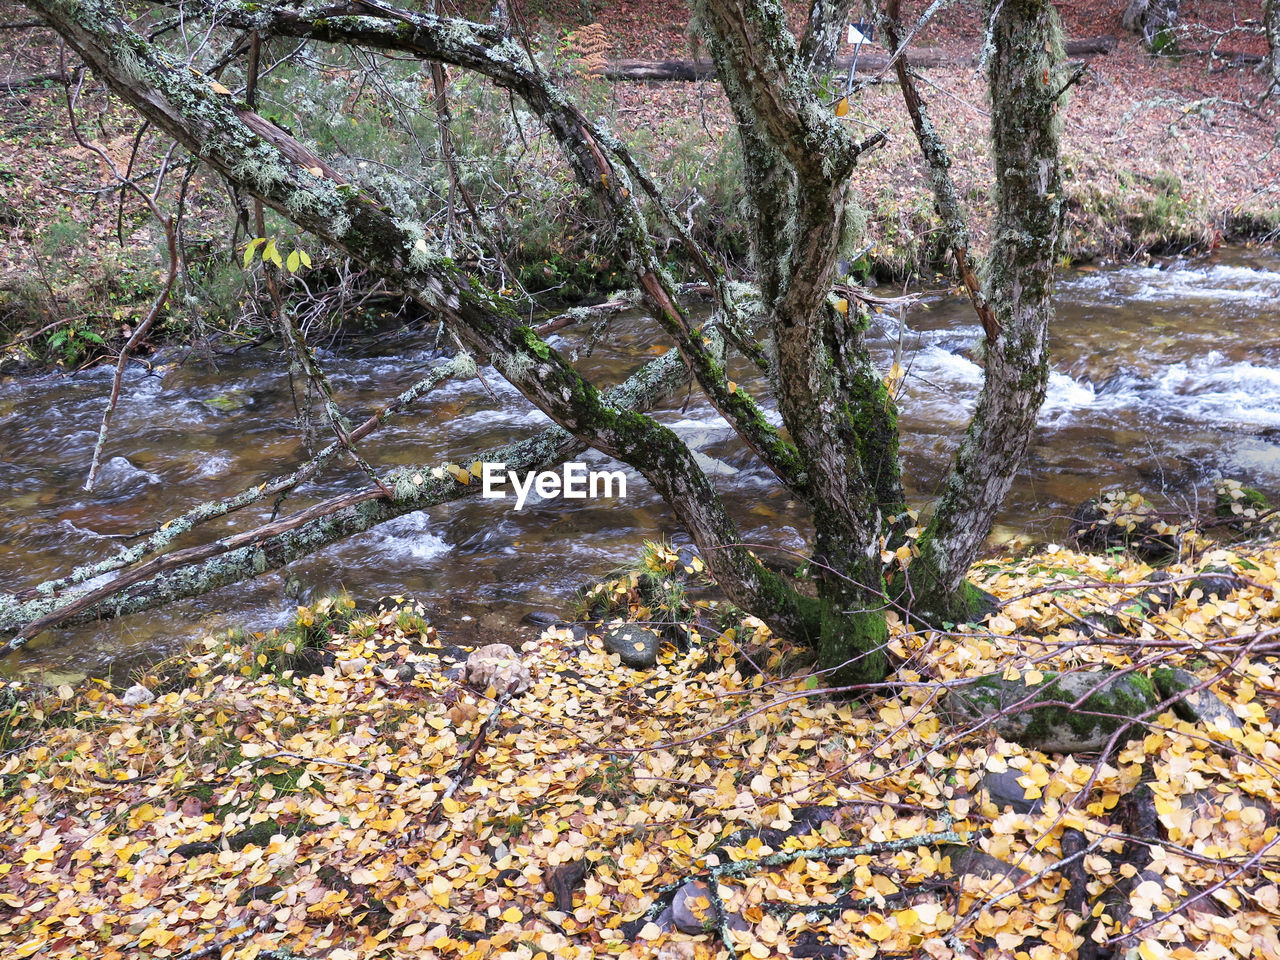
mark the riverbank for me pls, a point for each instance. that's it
(1161, 155)
(339, 790)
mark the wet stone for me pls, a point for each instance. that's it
(1004, 790)
(636, 646)
(1198, 706)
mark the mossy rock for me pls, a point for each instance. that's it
(1039, 716)
(1248, 498)
(229, 401)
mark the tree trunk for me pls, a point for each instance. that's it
(798, 159)
(822, 34)
(1153, 20)
(1026, 88)
(1271, 22)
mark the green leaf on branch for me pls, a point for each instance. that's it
(251, 249)
(271, 255)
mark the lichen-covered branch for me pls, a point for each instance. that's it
(587, 149)
(169, 532)
(245, 556)
(822, 33)
(955, 225)
(1025, 85)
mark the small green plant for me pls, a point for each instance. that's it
(72, 343)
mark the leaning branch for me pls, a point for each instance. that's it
(587, 149)
(244, 556)
(934, 151)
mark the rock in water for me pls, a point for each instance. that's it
(635, 646)
(118, 478)
(496, 665)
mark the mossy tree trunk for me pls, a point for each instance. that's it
(1026, 88)
(839, 452)
(798, 160)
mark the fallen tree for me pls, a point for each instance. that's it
(868, 62)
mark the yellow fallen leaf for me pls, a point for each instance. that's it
(879, 931)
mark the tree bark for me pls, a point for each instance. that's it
(822, 33)
(1271, 23)
(1026, 89)
(798, 159)
(1153, 20)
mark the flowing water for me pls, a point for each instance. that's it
(1163, 378)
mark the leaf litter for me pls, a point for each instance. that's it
(353, 799)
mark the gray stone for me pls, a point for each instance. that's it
(635, 646)
(496, 665)
(1216, 581)
(1034, 715)
(1201, 706)
(686, 554)
(692, 910)
(1004, 790)
(137, 695)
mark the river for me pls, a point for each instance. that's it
(1164, 377)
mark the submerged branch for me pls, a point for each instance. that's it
(197, 570)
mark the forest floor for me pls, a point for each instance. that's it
(336, 791)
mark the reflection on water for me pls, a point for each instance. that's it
(1163, 378)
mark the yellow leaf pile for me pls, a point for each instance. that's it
(377, 808)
